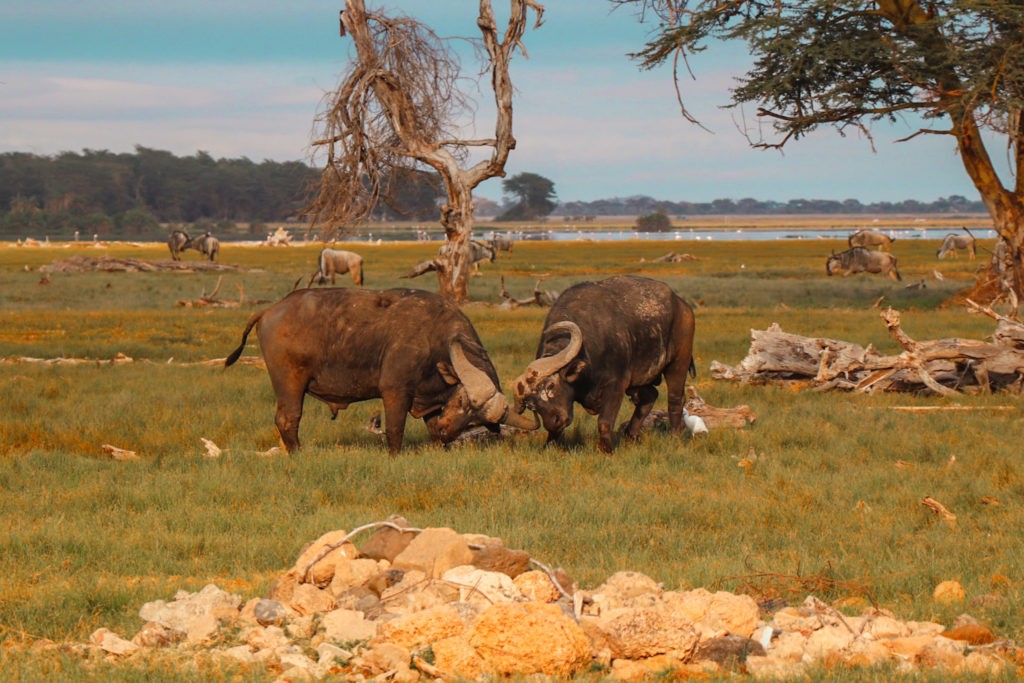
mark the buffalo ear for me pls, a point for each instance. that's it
(574, 369)
(448, 373)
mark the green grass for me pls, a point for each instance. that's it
(833, 498)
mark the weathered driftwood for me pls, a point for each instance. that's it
(942, 366)
(714, 418)
(212, 300)
(542, 298)
(83, 264)
(671, 257)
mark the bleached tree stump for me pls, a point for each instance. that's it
(942, 366)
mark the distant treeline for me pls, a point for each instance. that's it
(137, 195)
(641, 205)
(100, 192)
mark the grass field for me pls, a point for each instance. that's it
(832, 504)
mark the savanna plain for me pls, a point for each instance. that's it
(830, 507)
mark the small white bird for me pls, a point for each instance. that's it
(694, 423)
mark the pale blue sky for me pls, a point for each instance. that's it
(236, 79)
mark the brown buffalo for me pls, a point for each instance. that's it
(412, 349)
(606, 340)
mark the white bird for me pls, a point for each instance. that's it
(694, 423)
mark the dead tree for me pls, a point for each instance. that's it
(943, 366)
(397, 108)
(541, 298)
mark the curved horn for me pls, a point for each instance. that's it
(478, 385)
(549, 365)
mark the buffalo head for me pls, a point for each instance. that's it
(476, 400)
(546, 387)
(829, 261)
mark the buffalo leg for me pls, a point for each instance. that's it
(675, 380)
(289, 413)
(396, 408)
(606, 422)
(643, 398)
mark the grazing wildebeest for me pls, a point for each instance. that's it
(206, 244)
(334, 262)
(501, 243)
(413, 349)
(605, 340)
(861, 260)
(952, 242)
(177, 242)
(871, 238)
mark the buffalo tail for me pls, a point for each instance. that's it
(236, 354)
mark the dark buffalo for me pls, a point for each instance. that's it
(862, 260)
(414, 350)
(177, 242)
(605, 340)
(206, 244)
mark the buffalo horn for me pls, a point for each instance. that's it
(478, 385)
(549, 365)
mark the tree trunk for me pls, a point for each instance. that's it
(453, 260)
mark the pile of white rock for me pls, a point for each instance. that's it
(435, 603)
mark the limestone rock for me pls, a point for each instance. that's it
(477, 585)
(421, 628)
(456, 657)
(627, 589)
(729, 652)
(529, 638)
(153, 634)
(347, 626)
(537, 586)
(639, 632)
(435, 551)
(949, 592)
(386, 658)
(308, 599)
(495, 557)
(197, 615)
(387, 543)
(269, 612)
(353, 573)
(108, 641)
(323, 571)
(266, 637)
(970, 630)
(715, 614)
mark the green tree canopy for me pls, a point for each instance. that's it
(535, 194)
(957, 65)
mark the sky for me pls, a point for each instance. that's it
(238, 78)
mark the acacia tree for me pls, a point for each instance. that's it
(399, 106)
(536, 197)
(958, 64)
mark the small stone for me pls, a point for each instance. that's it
(347, 626)
(411, 631)
(434, 552)
(322, 571)
(269, 613)
(108, 641)
(536, 586)
(498, 558)
(949, 592)
(387, 543)
(153, 634)
(729, 652)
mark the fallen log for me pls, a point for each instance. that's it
(541, 298)
(110, 264)
(943, 366)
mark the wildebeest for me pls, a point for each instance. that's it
(177, 242)
(605, 340)
(413, 349)
(952, 242)
(334, 262)
(501, 243)
(861, 260)
(206, 244)
(871, 238)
